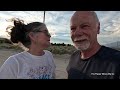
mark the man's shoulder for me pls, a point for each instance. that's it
(75, 56)
(110, 54)
(111, 51)
(76, 52)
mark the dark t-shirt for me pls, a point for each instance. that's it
(105, 64)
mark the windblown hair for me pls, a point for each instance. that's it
(19, 32)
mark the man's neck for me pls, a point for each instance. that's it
(88, 53)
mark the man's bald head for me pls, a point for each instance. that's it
(86, 13)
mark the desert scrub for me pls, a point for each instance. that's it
(61, 49)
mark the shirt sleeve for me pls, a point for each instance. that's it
(9, 69)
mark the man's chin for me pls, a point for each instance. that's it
(82, 47)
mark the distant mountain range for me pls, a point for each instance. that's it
(114, 45)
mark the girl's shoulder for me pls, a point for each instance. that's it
(19, 54)
(16, 56)
(12, 59)
(47, 52)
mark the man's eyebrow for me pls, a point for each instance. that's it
(85, 23)
(72, 26)
(80, 24)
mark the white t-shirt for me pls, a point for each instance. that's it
(27, 66)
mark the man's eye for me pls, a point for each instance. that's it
(85, 26)
(73, 28)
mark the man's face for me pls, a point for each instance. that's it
(84, 30)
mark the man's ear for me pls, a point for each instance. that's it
(98, 31)
(32, 36)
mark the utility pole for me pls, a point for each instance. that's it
(44, 17)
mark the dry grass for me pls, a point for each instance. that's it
(61, 49)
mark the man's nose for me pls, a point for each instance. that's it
(78, 31)
(49, 35)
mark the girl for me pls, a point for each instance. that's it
(36, 62)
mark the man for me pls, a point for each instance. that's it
(91, 60)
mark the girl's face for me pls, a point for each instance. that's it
(41, 39)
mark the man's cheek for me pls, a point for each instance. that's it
(72, 38)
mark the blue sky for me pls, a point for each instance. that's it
(58, 24)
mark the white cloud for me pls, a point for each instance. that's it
(110, 21)
(58, 22)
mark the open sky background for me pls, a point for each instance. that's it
(58, 24)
